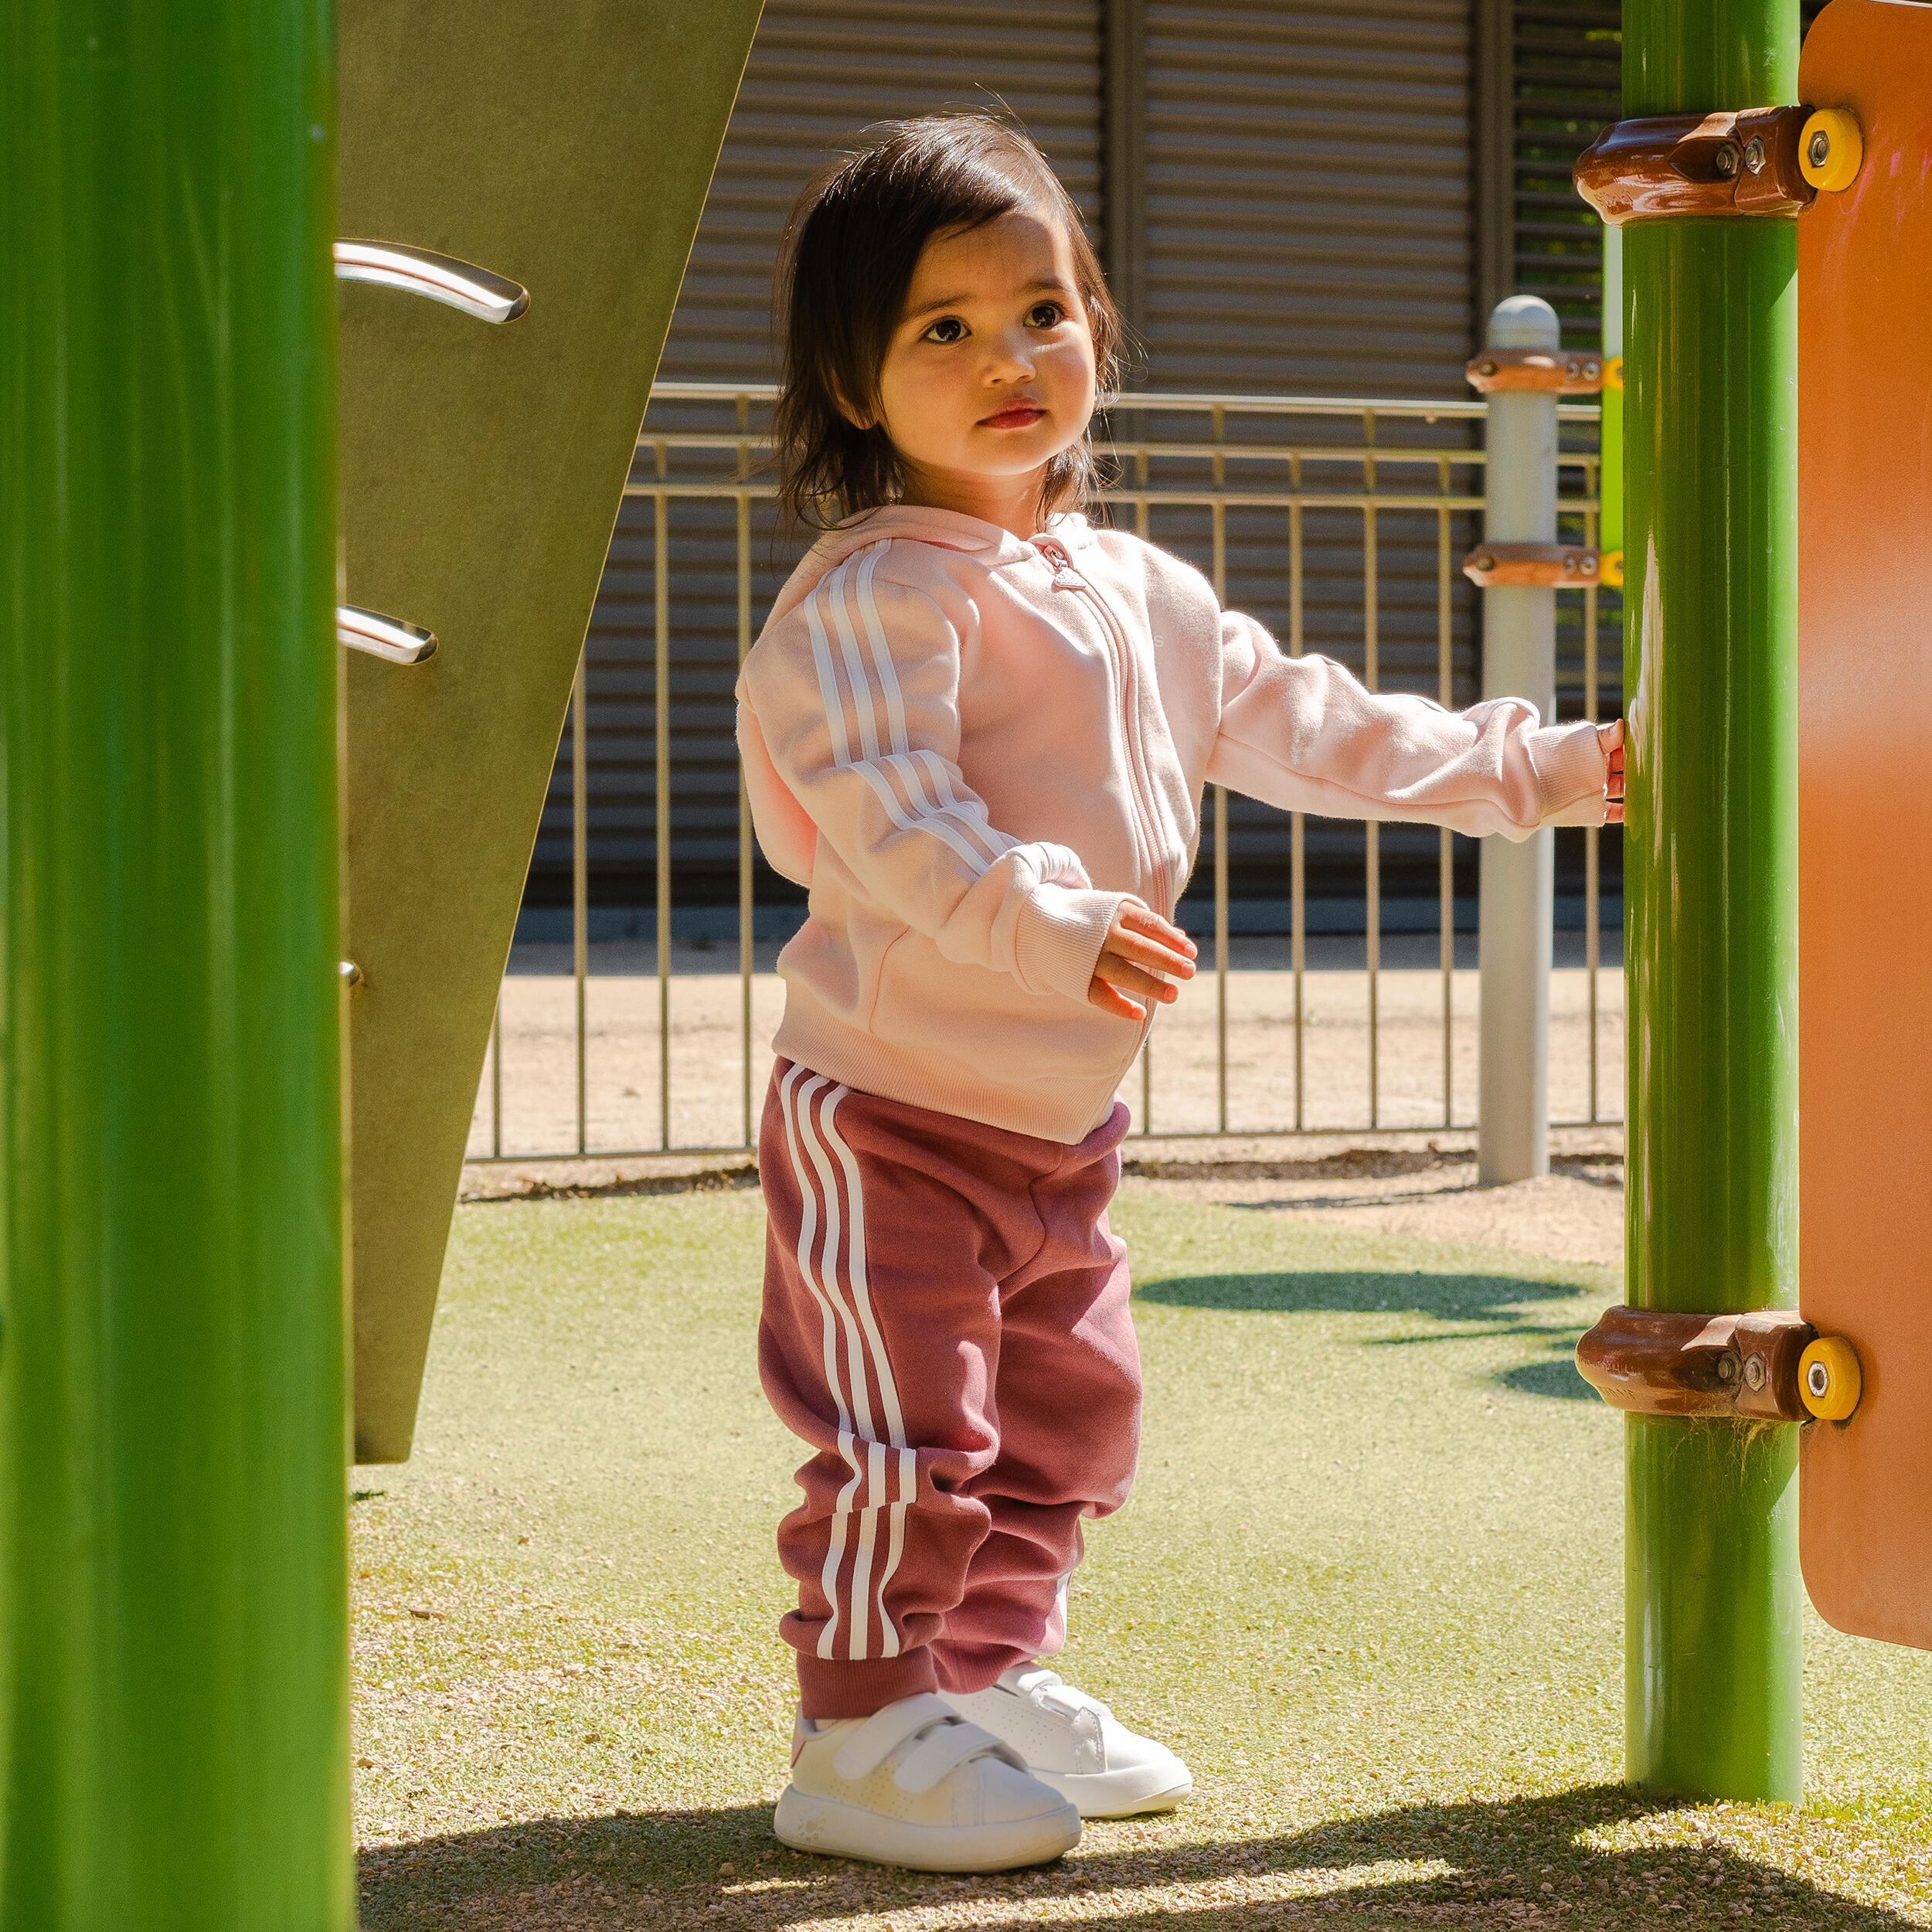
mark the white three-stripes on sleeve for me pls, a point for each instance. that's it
(913, 787)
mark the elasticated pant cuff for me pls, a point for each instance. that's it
(829, 1687)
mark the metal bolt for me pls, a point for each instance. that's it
(1820, 153)
(1485, 563)
(1754, 1373)
(1486, 369)
(1818, 1379)
(1591, 370)
(1724, 160)
(1754, 154)
(1727, 1368)
(350, 974)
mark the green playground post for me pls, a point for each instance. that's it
(1713, 1657)
(1609, 442)
(173, 1640)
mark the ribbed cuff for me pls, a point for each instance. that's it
(1571, 773)
(830, 1688)
(1061, 931)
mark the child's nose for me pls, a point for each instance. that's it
(1015, 357)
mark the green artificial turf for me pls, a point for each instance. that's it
(1369, 1585)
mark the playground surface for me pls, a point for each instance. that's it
(1369, 1586)
(622, 1100)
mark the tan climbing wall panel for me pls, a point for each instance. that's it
(568, 145)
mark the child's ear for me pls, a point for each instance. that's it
(859, 419)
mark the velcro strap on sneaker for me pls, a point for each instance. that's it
(1048, 1690)
(881, 1734)
(945, 1747)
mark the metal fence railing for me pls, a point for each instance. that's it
(1403, 479)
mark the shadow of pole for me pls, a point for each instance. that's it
(1519, 1863)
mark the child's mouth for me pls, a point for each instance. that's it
(1017, 416)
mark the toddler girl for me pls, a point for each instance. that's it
(978, 729)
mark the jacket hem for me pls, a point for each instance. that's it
(1066, 1114)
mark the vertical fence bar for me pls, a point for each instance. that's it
(1221, 955)
(1298, 894)
(1371, 666)
(746, 935)
(496, 1080)
(580, 879)
(661, 694)
(1592, 851)
(1220, 806)
(1141, 525)
(1445, 853)
(1518, 660)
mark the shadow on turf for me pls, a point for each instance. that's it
(1448, 1297)
(660, 1868)
(1497, 1300)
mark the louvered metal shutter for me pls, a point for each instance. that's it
(1568, 75)
(820, 71)
(1308, 206)
(1567, 84)
(1309, 232)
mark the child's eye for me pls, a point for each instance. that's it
(948, 329)
(1045, 315)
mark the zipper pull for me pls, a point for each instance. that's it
(1065, 576)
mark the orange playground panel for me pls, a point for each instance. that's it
(1865, 879)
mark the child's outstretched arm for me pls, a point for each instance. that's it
(1302, 733)
(849, 702)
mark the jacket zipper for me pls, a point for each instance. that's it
(1139, 786)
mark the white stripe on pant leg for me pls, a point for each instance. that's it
(862, 1554)
(888, 1388)
(835, 1541)
(895, 1545)
(836, 1244)
(807, 1226)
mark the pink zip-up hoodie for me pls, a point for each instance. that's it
(973, 748)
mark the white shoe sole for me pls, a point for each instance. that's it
(1123, 1793)
(827, 1825)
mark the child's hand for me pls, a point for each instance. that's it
(1611, 737)
(1141, 946)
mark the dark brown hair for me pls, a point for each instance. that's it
(850, 249)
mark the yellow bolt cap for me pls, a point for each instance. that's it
(1831, 149)
(1829, 1378)
(1609, 570)
(1613, 372)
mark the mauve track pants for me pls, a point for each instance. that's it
(946, 1323)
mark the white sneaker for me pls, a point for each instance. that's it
(915, 1784)
(1075, 1744)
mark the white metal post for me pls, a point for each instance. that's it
(1518, 660)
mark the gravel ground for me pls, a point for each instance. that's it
(1370, 1585)
(703, 1006)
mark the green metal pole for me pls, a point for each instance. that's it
(1713, 1657)
(1610, 521)
(173, 1652)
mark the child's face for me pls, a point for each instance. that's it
(990, 373)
